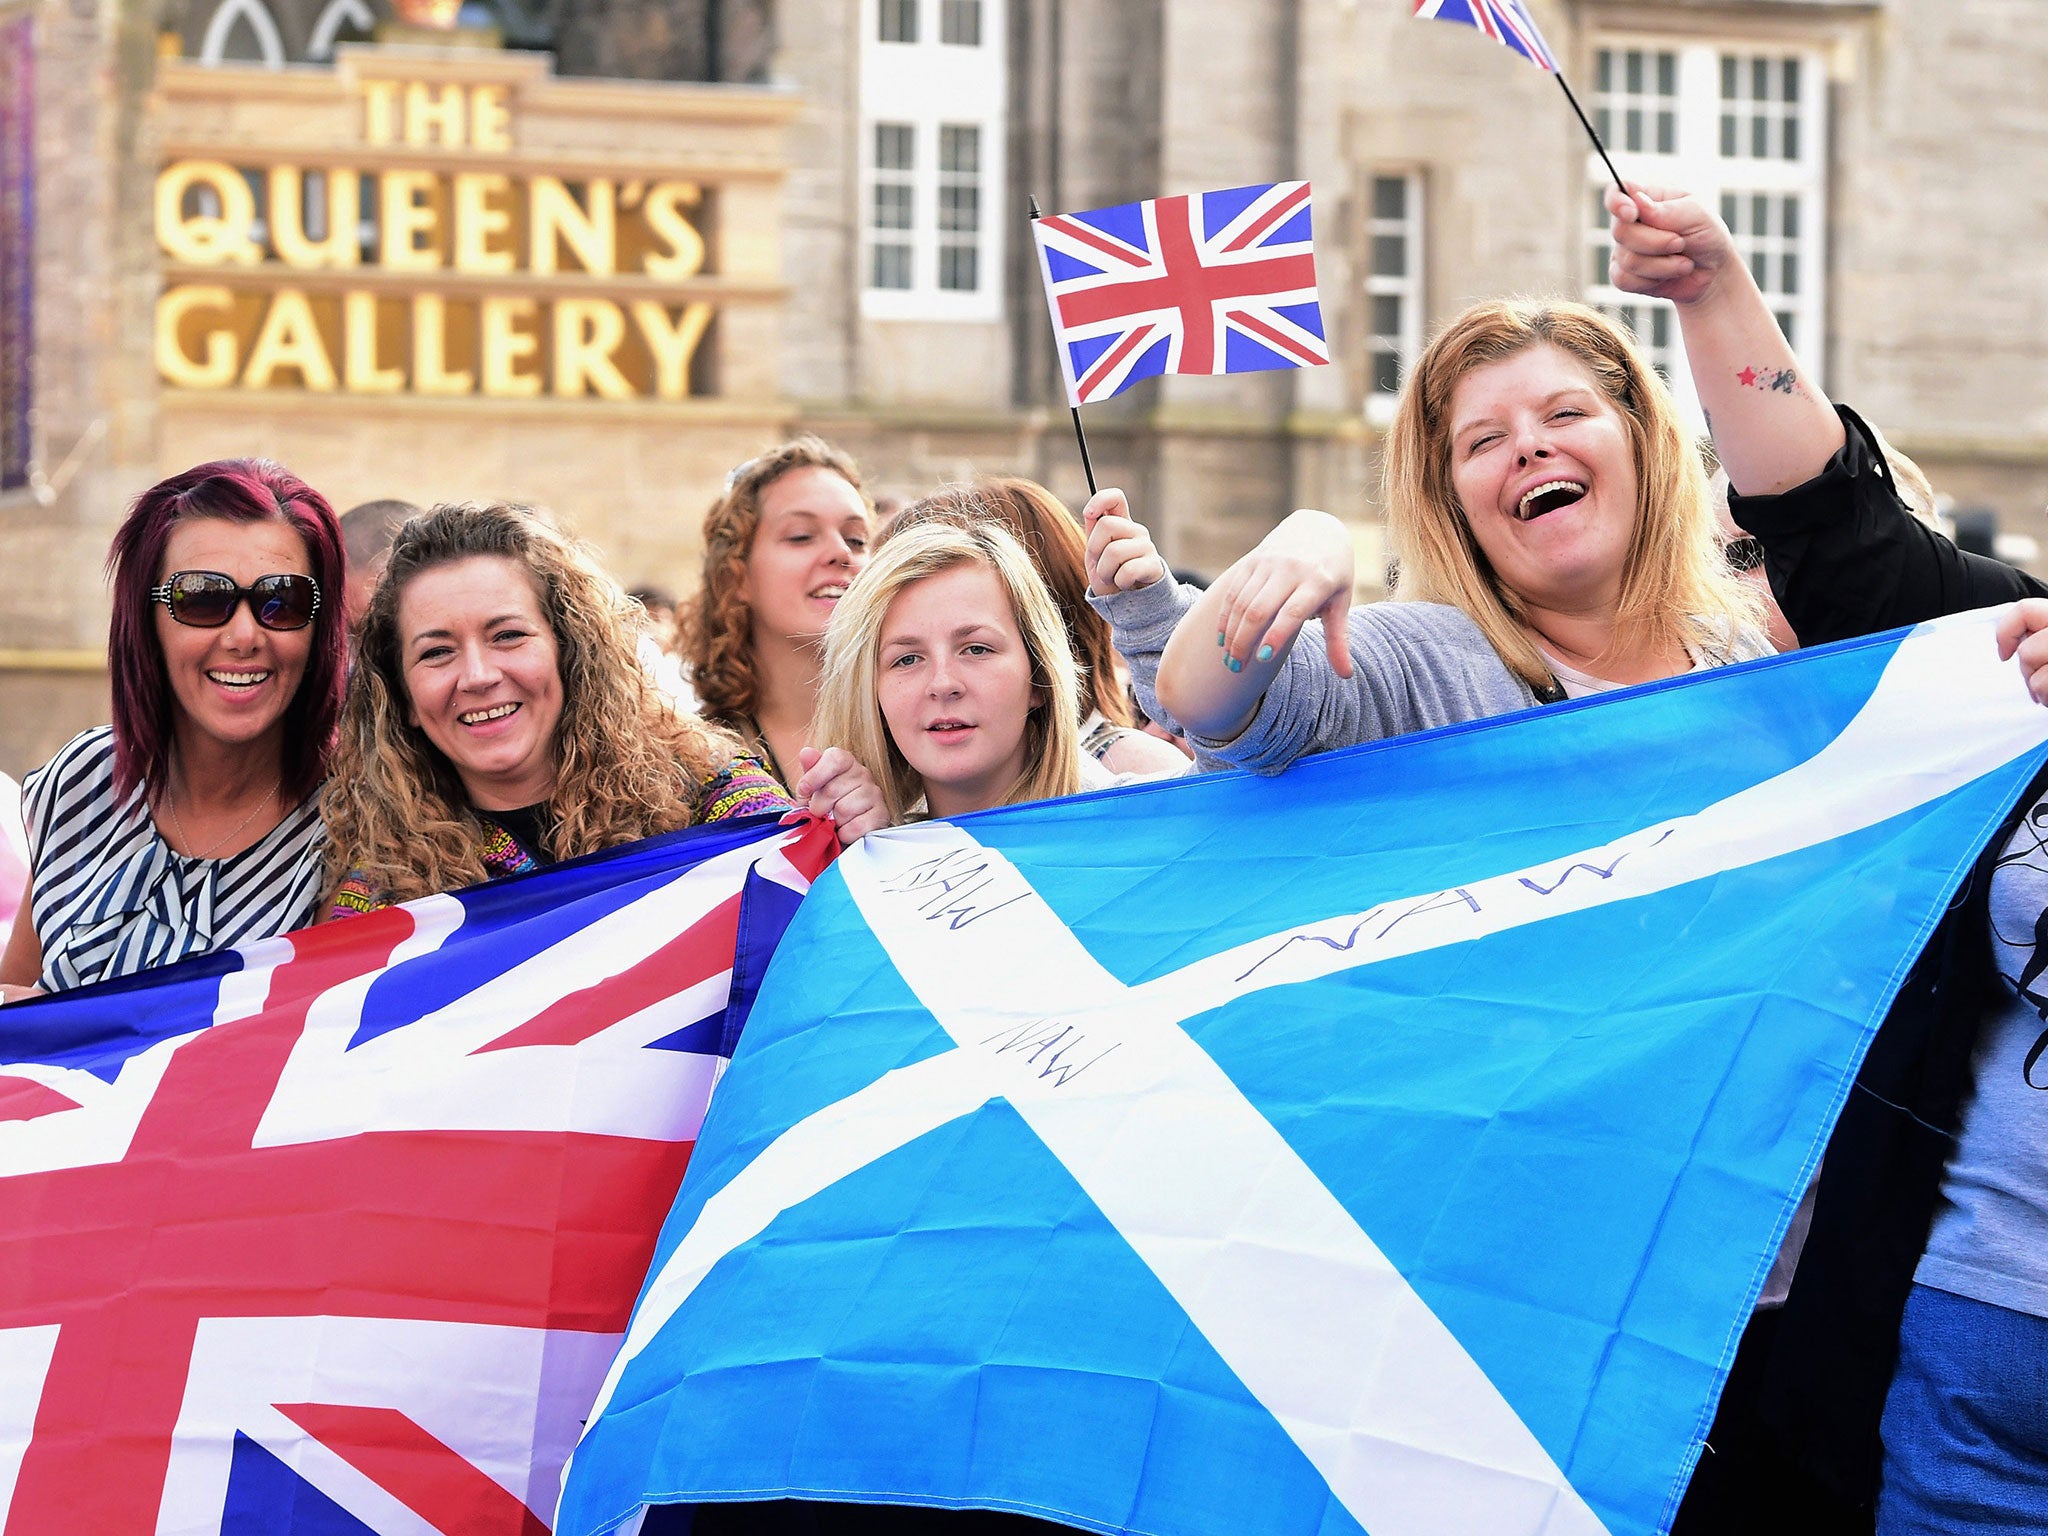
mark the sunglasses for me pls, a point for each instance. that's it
(208, 599)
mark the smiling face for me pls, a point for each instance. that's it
(233, 684)
(483, 677)
(1544, 469)
(812, 539)
(955, 687)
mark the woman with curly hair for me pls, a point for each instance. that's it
(780, 547)
(497, 719)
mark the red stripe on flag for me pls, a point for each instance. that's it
(1108, 363)
(1277, 338)
(1093, 239)
(814, 847)
(440, 1485)
(1273, 216)
(23, 1098)
(696, 954)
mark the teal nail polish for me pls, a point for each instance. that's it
(1219, 637)
(1233, 663)
(1265, 653)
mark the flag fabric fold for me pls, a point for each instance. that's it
(1395, 1146)
(1507, 22)
(335, 1234)
(1215, 282)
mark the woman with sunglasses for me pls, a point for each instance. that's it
(192, 821)
(780, 546)
(498, 718)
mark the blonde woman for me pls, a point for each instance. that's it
(1052, 537)
(948, 687)
(780, 546)
(1555, 538)
(497, 719)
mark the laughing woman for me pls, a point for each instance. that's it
(1555, 536)
(498, 720)
(192, 822)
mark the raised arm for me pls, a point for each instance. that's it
(1772, 426)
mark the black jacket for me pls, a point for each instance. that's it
(1845, 558)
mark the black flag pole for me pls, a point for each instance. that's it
(1586, 123)
(1081, 437)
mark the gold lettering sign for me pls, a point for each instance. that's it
(439, 266)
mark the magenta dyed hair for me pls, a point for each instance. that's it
(241, 491)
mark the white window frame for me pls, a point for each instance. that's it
(1697, 164)
(1408, 288)
(931, 85)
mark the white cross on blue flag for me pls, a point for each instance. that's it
(1396, 1146)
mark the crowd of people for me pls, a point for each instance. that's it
(316, 716)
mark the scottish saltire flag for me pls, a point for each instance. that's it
(335, 1235)
(1505, 21)
(1218, 282)
(1394, 1146)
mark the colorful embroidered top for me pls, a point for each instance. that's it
(742, 788)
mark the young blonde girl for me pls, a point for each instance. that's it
(948, 685)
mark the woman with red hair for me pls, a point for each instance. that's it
(193, 821)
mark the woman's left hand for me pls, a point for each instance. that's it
(2023, 633)
(1667, 244)
(835, 785)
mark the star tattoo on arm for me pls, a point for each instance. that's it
(1782, 381)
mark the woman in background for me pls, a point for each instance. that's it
(780, 546)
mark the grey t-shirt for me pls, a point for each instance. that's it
(1990, 1237)
(1415, 666)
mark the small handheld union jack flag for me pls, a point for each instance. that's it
(1509, 23)
(1505, 21)
(1216, 282)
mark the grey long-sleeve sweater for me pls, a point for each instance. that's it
(1414, 666)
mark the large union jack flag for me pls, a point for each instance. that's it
(1218, 282)
(337, 1233)
(1505, 21)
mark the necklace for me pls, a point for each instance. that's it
(171, 805)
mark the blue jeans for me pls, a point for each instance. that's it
(1966, 1421)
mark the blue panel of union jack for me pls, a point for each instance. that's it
(1216, 282)
(334, 1234)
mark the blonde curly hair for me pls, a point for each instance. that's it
(716, 626)
(628, 765)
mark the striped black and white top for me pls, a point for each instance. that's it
(109, 896)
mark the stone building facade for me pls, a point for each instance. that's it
(862, 169)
